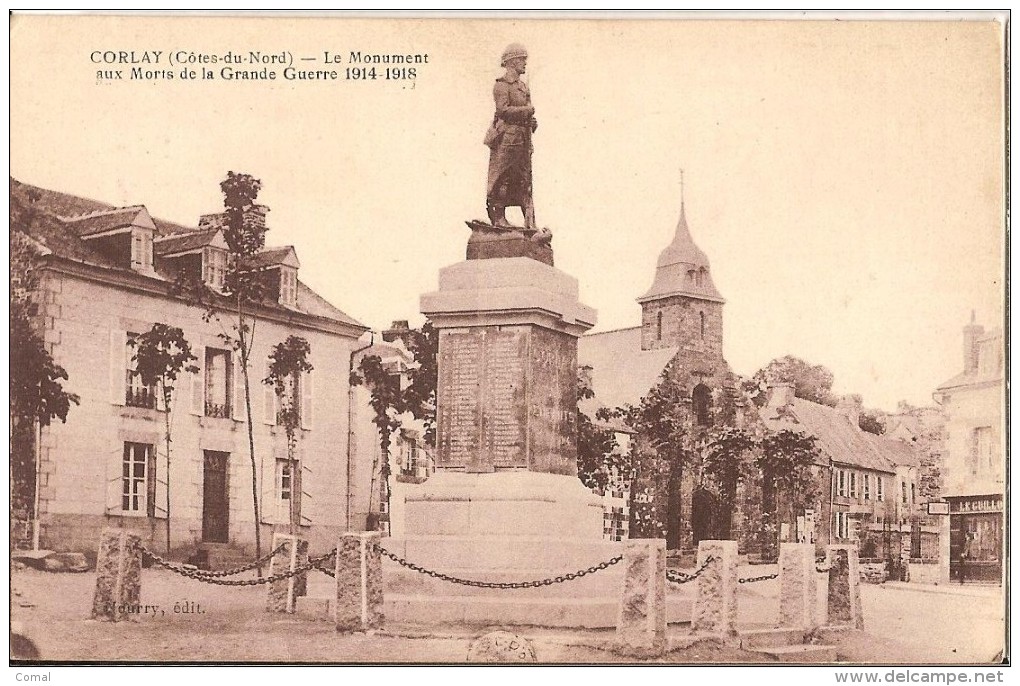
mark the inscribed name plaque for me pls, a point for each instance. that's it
(506, 399)
(459, 388)
(504, 411)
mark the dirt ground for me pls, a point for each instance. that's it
(189, 621)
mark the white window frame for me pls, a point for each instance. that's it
(867, 487)
(137, 503)
(841, 525)
(141, 250)
(214, 267)
(288, 286)
(133, 385)
(284, 490)
(880, 488)
(207, 370)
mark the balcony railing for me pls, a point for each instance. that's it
(140, 396)
(220, 410)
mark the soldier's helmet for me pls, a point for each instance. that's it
(513, 51)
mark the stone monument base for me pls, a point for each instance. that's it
(505, 527)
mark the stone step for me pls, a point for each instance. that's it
(443, 553)
(801, 653)
(770, 638)
(606, 583)
(594, 613)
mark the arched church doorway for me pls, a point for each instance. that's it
(704, 516)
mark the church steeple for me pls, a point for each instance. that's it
(683, 309)
(683, 268)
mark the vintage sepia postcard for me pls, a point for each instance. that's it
(494, 338)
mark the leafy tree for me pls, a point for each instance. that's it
(287, 362)
(723, 454)
(784, 459)
(244, 288)
(37, 393)
(161, 354)
(810, 381)
(598, 459)
(387, 403)
(664, 451)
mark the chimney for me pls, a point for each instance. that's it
(254, 218)
(780, 393)
(850, 407)
(971, 333)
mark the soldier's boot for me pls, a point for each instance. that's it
(530, 225)
(497, 216)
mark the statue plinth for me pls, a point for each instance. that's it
(494, 242)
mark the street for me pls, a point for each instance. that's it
(191, 621)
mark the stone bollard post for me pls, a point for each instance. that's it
(843, 609)
(118, 575)
(798, 586)
(283, 594)
(641, 622)
(715, 606)
(359, 590)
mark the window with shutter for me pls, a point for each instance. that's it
(307, 400)
(198, 382)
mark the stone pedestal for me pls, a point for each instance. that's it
(283, 594)
(798, 586)
(641, 627)
(118, 575)
(359, 591)
(505, 503)
(715, 607)
(507, 391)
(843, 608)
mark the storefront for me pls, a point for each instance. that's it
(976, 526)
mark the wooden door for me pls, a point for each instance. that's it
(215, 498)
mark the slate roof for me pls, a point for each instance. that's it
(837, 438)
(622, 373)
(60, 219)
(965, 379)
(183, 242)
(897, 451)
(676, 261)
(270, 257)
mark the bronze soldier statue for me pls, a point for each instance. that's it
(509, 141)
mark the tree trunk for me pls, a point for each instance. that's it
(166, 423)
(245, 352)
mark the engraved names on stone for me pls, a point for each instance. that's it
(504, 435)
(459, 395)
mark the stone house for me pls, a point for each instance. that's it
(867, 485)
(107, 273)
(975, 465)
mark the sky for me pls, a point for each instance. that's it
(845, 178)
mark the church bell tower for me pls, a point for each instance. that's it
(683, 308)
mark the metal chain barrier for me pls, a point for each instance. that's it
(244, 568)
(499, 584)
(755, 579)
(197, 575)
(678, 577)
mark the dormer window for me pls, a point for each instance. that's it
(288, 286)
(214, 267)
(141, 250)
